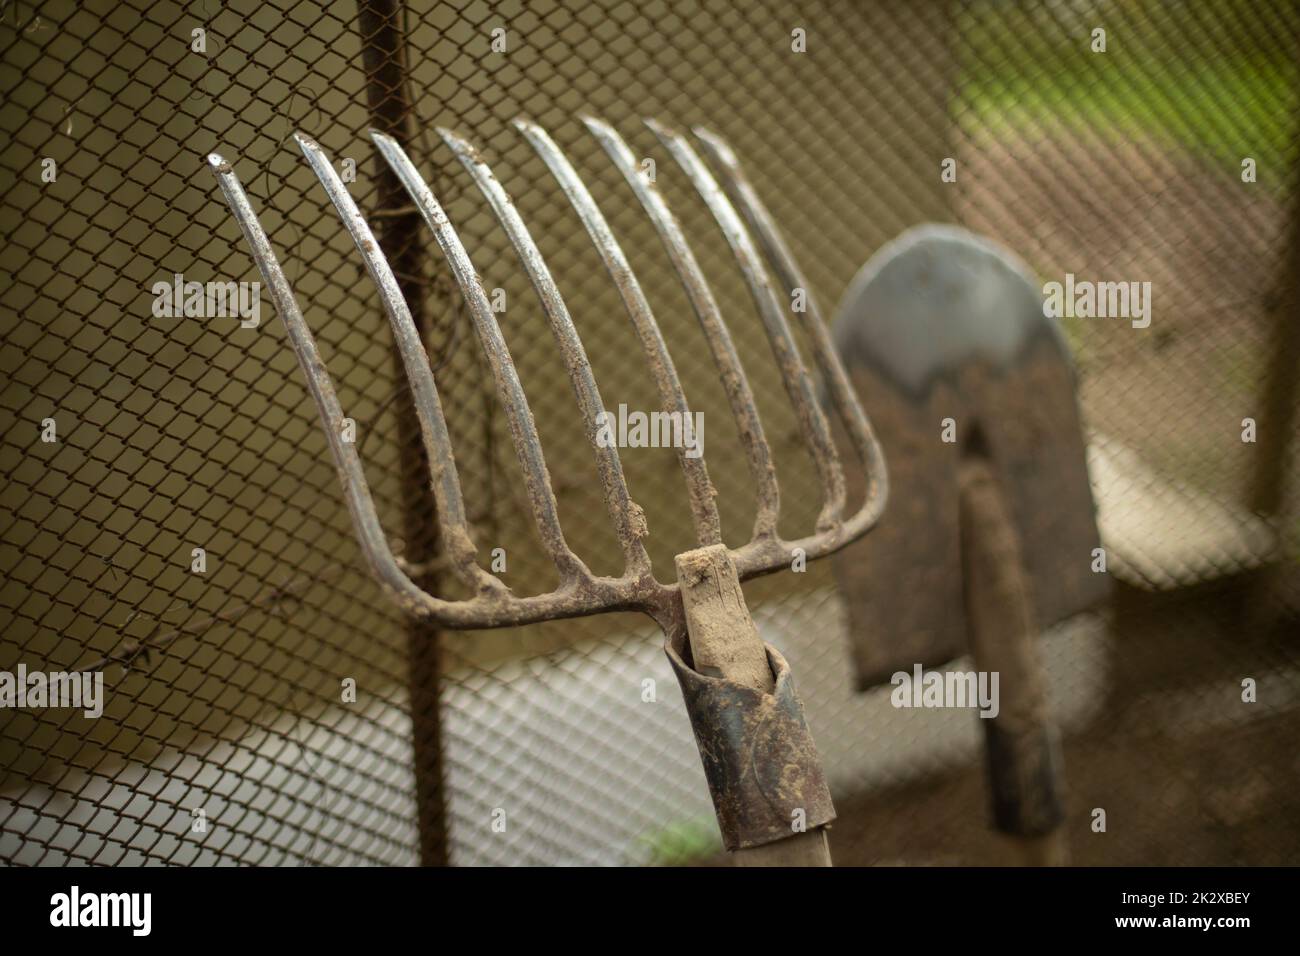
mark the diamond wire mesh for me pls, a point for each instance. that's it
(177, 433)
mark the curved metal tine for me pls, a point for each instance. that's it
(424, 392)
(628, 520)
(374, 544)
(828, 361)
(704, 508)
(794, 374)
(705, 306)
(523, 431)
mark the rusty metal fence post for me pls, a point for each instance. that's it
(388, 96)
(1282, 386)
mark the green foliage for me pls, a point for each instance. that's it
(1019, 74)
(682, 842)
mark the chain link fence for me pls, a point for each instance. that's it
(170, 515)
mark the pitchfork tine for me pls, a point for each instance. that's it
(705, 306)
(356, 492)
(787, 269)
(627, 516)
(424, 392)
(523, 431)
(704, 508)
(794, 374)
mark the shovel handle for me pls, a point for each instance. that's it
(1023, 758)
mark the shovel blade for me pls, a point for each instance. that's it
(945, 339)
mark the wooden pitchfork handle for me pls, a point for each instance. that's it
(726, 644)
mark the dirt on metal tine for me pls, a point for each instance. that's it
(787, 269)
(628, 517)
(424, 392)
(374, 544)
(726, 359)
(528, 446)
(702, 495)
(794, 373)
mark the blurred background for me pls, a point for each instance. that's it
(176, 433)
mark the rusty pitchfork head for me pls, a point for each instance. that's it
(580, 592)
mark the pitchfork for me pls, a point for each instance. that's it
(764, 775)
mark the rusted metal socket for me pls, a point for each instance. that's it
(759, 758)
(1025, 780)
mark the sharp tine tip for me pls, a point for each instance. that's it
(720, 147)
(595, 124)
(217, 163)
(662, 130)
(459, 145)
